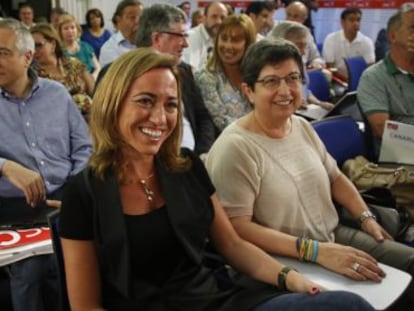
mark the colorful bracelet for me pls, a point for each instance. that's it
(307, 249)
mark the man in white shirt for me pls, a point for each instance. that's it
(126, 18)
(347, 42)
(201, 38)
(26, 15)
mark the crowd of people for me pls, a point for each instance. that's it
(175, 135)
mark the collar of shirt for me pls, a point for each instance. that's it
(358, 37)
(35, 86)
(120, 40)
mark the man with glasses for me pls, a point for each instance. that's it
(386, 89)
(44, 141)
(201, 38)
(163, 27)
(126, 18)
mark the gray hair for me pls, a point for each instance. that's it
(157, 18)
(24, 39)
(395, 21)
(288, 28)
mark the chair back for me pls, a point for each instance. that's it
(53, 219)
(319, 85)
(341, 136)
(355, 66)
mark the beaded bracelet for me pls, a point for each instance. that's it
(307, 249)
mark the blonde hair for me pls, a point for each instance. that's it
(50, 34)
(242, 22)
(64, 19)
(107, 103)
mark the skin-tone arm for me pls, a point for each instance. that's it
(97, 67)
(248, 258)
(313, 100)
(89, 81)
(345, 193)
(28, 181)
(335, 257)
(377, 123)
(82, 275)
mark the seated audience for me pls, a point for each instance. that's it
(69, 32)
(55, 13)
(26, 15)
(386, 89)
(220, 81)
(186, 8)
(136, 239)
(298, 35)
(50, 62)
(347, 42)
(197, 18)
(201, 38)
(276, 180)
(94, 32)
(125, 20)
(44, 141)
(297, 11)
(259, 12)
(162, 27)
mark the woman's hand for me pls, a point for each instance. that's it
(350, 262)
(374, 229)
(297, 283)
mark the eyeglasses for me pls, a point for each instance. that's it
(182, 35)
(39, 45)
(273, 82)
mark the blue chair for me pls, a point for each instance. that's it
(355, 66)
(343, 140)
(319, 85)
(53, 220)
(341, 136)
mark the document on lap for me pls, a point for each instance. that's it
(18, 244)
(379, 295)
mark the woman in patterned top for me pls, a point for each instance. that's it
(50, 62)
(220, 81)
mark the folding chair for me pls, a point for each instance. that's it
(355, 66)
(319, 85)
(53, 219)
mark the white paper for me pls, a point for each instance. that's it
(397, 143)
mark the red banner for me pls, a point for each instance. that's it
(362, 4)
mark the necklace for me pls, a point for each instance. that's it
(148, 192)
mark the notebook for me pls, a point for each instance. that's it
(397, 144)
(379, 295)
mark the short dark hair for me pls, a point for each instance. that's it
(256, 7)
(157, 17)
(266, 52)
(95, 12)
(350, 11)
(122, 5)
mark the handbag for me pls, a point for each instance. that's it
(398, 179)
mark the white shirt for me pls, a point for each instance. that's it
(114, 47)
(188, 140)
(336, 47)
(199, 42)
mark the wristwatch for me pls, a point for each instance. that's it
(365, 215)
(281, 278)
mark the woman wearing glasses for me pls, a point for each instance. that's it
(50, 62)
(220, 81)
(276, 180)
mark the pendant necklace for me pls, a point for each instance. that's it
(148, 192)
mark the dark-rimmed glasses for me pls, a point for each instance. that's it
(182, 35)
(273, 82)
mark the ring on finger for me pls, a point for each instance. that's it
(355, 266)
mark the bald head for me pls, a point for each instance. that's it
(297, 12)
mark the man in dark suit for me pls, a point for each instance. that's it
(163, 27)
